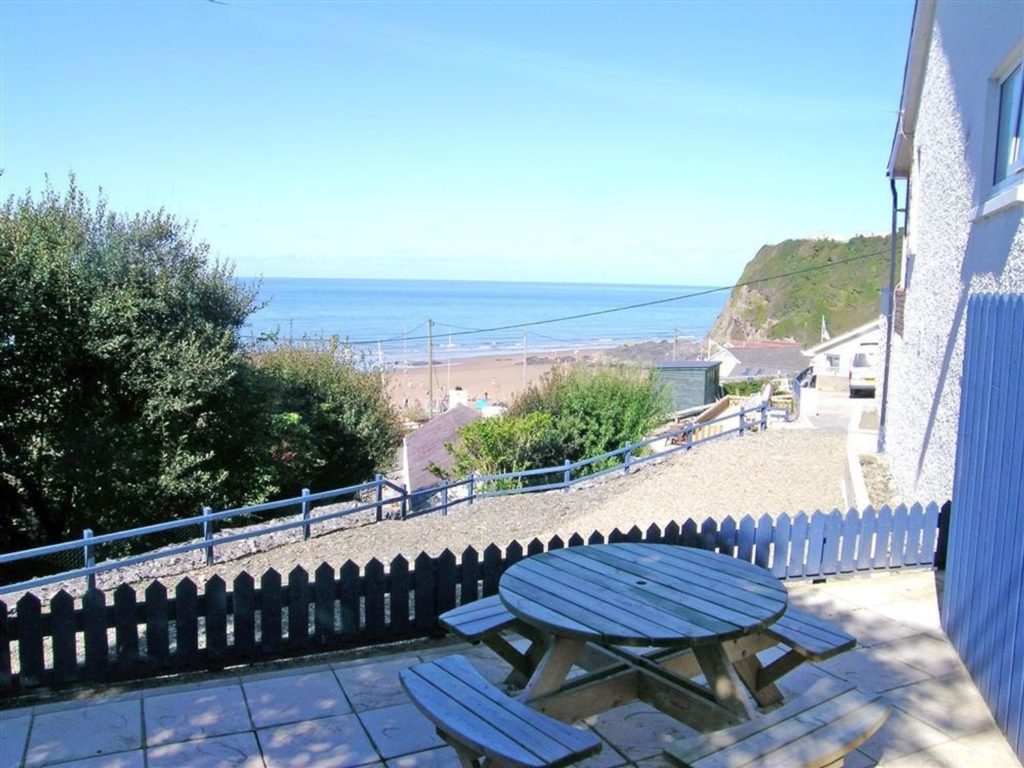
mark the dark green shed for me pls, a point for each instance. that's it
(692, 383)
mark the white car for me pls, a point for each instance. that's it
(862, 374)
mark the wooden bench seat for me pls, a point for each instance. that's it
(816, 730)
(813, 638)
(474, 621)
(479, 721)
(807, 637)
(484, 621)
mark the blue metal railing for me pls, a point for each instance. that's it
(476, 486)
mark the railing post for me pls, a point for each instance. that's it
(627, 457)
(89, 558)
(689, 436)
(404, 510)
(305, 515)
(469, 489)
(444, 499)
(764, 415)
(208, 534)
(379, 496)
(743, 419)
(566, 476)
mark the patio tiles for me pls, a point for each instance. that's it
(373, 683)
(929, 654)
(993, 749)
(638, 730)
(355, 713)
(400, 730)
(84, 731)
(195, 714)
(330, 742)
(871, 628)
(236, 750)
(900, 735)
(13, 738)
(432, 758)
(279, 700)
(868, 671)
(134, 759)
(950, 704)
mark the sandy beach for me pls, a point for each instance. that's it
(497, 379)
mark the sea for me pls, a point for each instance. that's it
(394, 321)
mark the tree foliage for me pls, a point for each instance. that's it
(331, 423)
(125, 396)
(573, 413)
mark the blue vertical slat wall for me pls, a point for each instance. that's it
(983, 604)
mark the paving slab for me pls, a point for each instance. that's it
(950, 704)
(329, 742)
(13, 739)
(400, 730)
(197, 714)
(374, 683)
(236, 750)
(638, 730)
(84, 731)
(290, 698)
(134, 759)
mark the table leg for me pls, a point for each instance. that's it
(724, 682)
(561, 654)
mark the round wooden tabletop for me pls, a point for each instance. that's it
(642, 594)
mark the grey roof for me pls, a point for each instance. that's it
(768, 360)
(689, 364)
(426, 446)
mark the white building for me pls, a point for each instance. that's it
(958, 146)
(831, 359)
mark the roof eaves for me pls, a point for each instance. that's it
(842, 338)
(901, 155)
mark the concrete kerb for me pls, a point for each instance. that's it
(858, 441)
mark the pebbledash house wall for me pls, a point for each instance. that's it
(951, 250)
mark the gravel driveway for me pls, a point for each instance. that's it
(779, 470)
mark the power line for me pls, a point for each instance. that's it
(641, 305)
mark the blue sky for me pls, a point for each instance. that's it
(573, 141)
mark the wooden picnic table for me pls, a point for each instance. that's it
(641, 595)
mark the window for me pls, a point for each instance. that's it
(1009, 158)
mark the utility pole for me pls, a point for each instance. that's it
(675, 345)
(430, 367)
(526, 340)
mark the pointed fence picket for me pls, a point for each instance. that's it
(335, 608)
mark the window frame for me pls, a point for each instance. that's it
(1016, 133)
(995, 197)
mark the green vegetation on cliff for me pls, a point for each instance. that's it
(847, 294)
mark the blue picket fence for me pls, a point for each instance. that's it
(983, 604)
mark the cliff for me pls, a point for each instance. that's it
(843, 283)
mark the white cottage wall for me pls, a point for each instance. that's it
(950, 250)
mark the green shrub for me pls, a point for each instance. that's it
(507, 444)
(330, 423)
(125, 395)
(597, 410)
(744, 388)
(573, 414)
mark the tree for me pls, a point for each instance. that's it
(126, 396)
(118, 351)
(331, 423)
